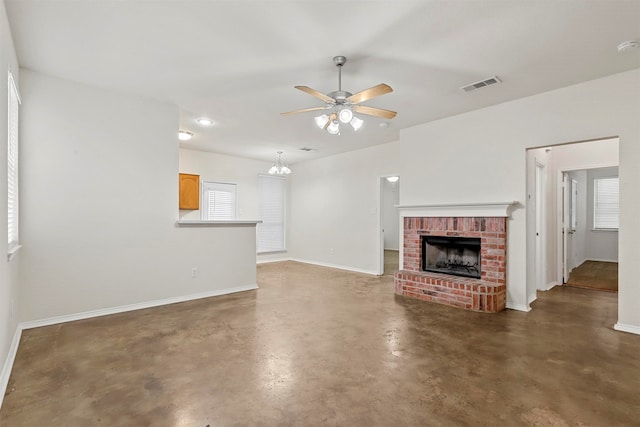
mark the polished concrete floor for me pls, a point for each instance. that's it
(595, 275)
(317, 346)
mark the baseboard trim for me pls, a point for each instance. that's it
(519, 307)
(532, 298)
(131, 307)
(600, 260)
(8, 363)
(339, 267)
(267, 261)
(627, 328)
(550, 286)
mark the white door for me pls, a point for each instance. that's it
(540, 227)
(566, 225)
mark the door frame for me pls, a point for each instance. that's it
(560, 240)
(380, 219)
(540, 250)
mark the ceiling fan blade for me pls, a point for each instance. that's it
(377, 112)
(370, 93)
(332, 117)
(304, 111)
(317, 94)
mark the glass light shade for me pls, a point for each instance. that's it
(204, 121)
(279, 168)
(333, 128)
(345, 115)
(393, 179)
(356, 123)
(183, 135)
(321, 121)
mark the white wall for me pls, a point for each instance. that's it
(488, 146)
(390, 215)
(235, 170)
(9, 306)
(229, 169)
(600, 245)
(99, 206)
(334, 207)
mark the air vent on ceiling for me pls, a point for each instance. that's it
(307, 149)
(482, 83)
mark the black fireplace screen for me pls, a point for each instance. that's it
(459, 256)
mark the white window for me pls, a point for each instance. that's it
(606, 207)
(218, 201)
(271, 194)
(12, 165)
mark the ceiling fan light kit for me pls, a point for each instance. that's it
(344, 104)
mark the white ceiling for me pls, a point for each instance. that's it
(237, 61)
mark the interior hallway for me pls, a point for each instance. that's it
(391, 262)
(595, 275)
(318, 346)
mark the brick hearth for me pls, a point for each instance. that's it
(487, 294)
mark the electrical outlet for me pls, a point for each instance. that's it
(331, 251)
(194, 272)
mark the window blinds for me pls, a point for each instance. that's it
(271, 232)
(12, 164)
(606, 203)
(218, 201)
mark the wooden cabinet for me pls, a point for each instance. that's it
(189, 191)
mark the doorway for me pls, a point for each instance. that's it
(590, 228)
(540, 228)
(389, 225)
(553, 246)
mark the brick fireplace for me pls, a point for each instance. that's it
(486, 223)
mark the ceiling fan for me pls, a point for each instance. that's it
(343, 104)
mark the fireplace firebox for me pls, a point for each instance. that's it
(458, 256)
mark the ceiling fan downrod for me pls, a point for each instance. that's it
(339, 61)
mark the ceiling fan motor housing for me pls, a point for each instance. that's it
(339, 60)
(340, 96)
(341, 100)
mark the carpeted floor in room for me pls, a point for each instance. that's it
(319, 346)
(595, 275)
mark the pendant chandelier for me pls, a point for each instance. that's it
(279, 168)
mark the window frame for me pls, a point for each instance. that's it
(265, 222)
(205, 187)
(13, 149)
(597, 225)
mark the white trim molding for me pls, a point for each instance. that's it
(336, 266)
(216, 223)
(490, 209)
(8, 364)
(131, 307)
(627, 328)
(518, 307)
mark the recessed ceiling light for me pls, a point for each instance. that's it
(183, 135)
(205, 121)
(384, 125)
(628, 45)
